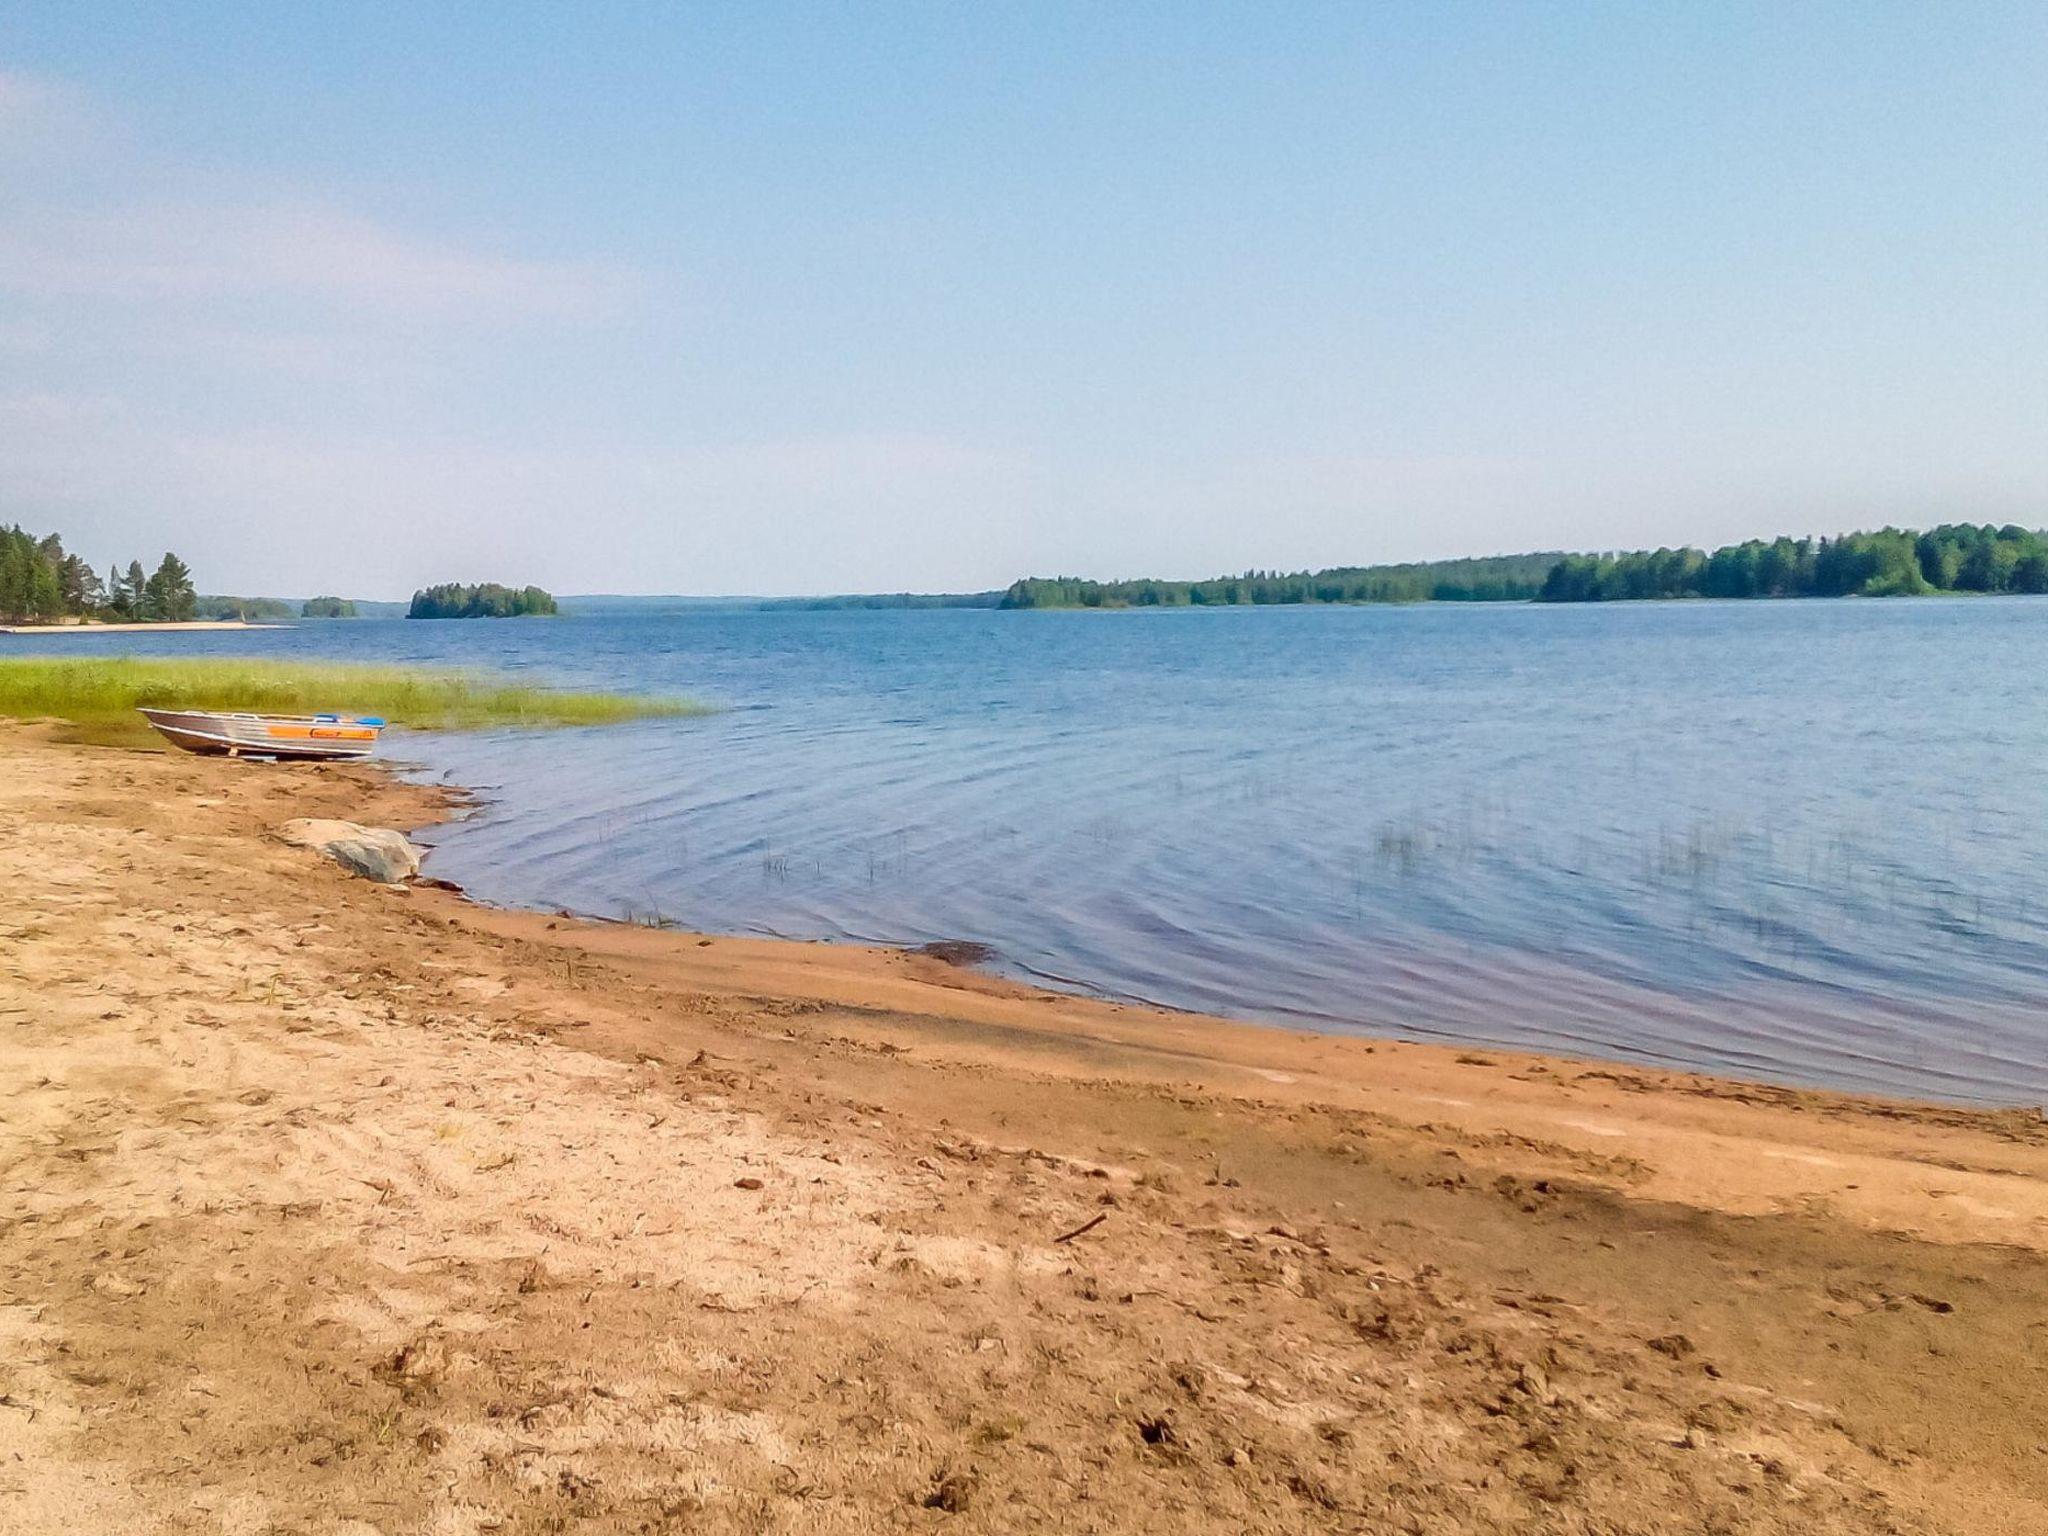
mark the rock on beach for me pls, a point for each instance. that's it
(376, 853)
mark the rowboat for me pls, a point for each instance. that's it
(217, 732)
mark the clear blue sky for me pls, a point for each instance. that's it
(760, 298)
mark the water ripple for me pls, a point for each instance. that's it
(1802, 841)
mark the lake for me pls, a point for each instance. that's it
(1801, 841)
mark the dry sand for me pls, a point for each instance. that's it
(154, 627)
(326, 1208)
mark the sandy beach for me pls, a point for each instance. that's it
(131, 629)
(337, 1208)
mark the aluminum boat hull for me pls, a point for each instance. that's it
(217, 733)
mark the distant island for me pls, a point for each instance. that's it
(1891, 562)
(452, 600)
(244, 610)
(286, 610)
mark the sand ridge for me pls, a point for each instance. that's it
(330, 1208)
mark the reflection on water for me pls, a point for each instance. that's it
(1795, 840)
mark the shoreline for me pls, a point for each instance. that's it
(980, 958)
(134, 629)
(971, 965)
(990, 965)
(490, 1217)
(977, 1017)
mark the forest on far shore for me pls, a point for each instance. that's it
(1890, 562)
(1491, 579)
(42, 583)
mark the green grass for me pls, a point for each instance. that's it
(99, 698)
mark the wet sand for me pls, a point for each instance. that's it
(333, 1208)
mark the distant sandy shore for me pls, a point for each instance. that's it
(129, 629)
(337, 1208)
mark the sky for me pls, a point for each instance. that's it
(763, 298)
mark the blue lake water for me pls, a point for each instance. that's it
(1799, 841)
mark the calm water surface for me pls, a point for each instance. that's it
(1802, 841)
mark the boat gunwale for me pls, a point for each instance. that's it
(152, 711)
(183, 728)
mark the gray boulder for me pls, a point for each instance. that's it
(375, 853)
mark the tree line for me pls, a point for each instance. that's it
(40, 583)
(1892, 562)
(452, 600)
(246, 610)
(1492, 579)
(1955, 557)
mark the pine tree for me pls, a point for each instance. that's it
(45, 596)
(81, 585)
(168, 596)
(16, 553)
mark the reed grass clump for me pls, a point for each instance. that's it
(99, 697)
